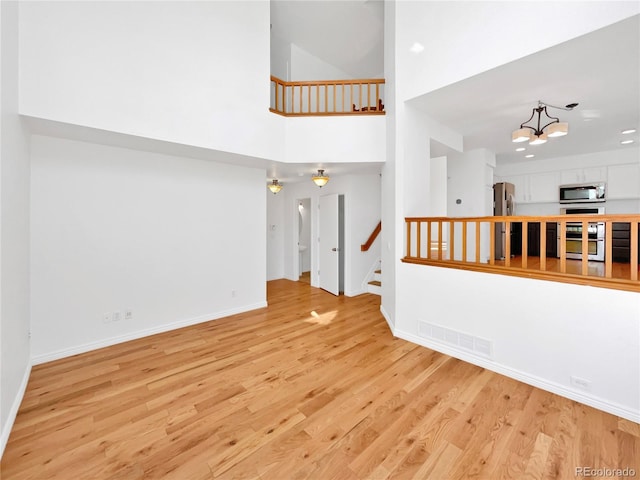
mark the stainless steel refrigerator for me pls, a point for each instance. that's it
(503, 204)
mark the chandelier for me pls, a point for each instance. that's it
(537, 135)
(274, 186)
(320, 179)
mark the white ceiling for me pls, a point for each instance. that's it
(347, 34)
(600, 71)
(323, 28)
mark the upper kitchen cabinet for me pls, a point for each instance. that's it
(623, 182)
(544, 187)
(583, 175)
(535, 187)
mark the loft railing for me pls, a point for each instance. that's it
(376, 231)
(470, 244)
(329, 97)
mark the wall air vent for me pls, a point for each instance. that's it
(463, 341)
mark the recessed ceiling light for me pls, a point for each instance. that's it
(626, 142)
(531, 155)
(416, 48)
(631, 130)
(521, 149)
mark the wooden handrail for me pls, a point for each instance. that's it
(446, 252)
(327, 97)
(376, 231)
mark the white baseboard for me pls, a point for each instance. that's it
(388, 320)
(354, 293)
(553, 387)
(13, 412)
(107, 342)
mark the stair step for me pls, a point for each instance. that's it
(377, 275)
(375, 285)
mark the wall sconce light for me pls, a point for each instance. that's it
(274, 186)
(320, 179)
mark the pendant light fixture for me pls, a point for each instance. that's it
(538, 135)
(274, 186)
(320, 179)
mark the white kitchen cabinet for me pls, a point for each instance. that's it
(543, 187)
(535, 187)
(519, 182)
(623, 181)
(583, 175)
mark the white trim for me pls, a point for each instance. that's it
(370, 274)
(107, 342)
(354, 293)
(374, 289)
(595, 402)
(13, 412)
(388, 319)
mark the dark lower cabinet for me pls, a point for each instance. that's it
(516, 239)
(620, 248)
(552, 239)
(621, 242)
(533, 239)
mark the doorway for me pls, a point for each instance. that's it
(332, 251)
(304, 239)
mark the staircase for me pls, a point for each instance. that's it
(375, 285)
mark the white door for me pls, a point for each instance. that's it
(329, 244)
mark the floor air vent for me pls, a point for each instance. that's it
(476, 345)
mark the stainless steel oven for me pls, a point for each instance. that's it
(595, 234)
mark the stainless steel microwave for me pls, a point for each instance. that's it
(582, 193)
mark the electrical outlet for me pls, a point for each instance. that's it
(234, 293)
(581, 383)
(106, 317)
(128, 314)
(117, 316)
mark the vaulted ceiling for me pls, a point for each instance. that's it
(600, 71)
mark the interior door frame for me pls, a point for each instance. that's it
(297, 267)
(336, 286)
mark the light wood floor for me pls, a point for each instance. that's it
(312, 387)
(305, 277)
(595, 269)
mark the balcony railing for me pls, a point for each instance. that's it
(470, 244)
(329, 97)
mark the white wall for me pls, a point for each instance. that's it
(470, 180)
(526, 348)
(350, 139)
(438, 187)
(15, 363)
(391, 213)
(362, 214)
(304, 238)
(462, 39)
(195, 73)
(292, 63)
(176, 240)
(542, 332)
(280, 58)
(305, 66)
